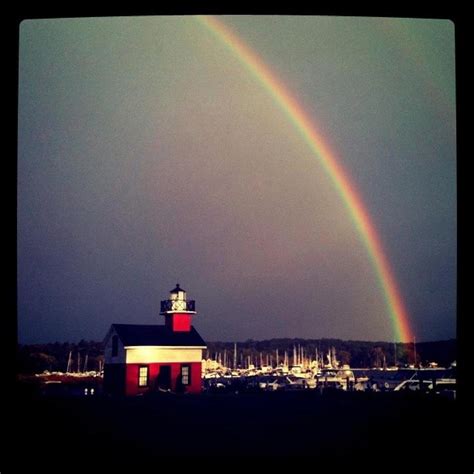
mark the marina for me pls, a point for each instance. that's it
(323, 373)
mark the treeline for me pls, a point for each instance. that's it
(82, 356)
(89, 355)
(354, 353)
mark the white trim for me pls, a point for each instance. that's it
(178, 311)
(159, 354)
(166, 347)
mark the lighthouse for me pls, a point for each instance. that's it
(161, 357)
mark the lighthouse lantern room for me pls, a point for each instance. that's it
(177, 310)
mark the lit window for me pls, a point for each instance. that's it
(143, 377)
(185, 375)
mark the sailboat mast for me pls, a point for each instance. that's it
(414, 348)
(68, 368)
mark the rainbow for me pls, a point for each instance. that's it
(327, 158)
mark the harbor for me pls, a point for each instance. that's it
(323, 372)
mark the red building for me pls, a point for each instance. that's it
(141, 358)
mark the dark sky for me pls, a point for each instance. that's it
(149, 155)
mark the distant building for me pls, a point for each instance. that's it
(142, 358)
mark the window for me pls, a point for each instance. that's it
(143, 376)
(114, 346)
(185, 375)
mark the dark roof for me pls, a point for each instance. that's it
(156, 335)
(175, 290)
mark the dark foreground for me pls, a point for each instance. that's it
(361, 428)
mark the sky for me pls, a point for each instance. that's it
(148, 154)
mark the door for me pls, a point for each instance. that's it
(164, 377)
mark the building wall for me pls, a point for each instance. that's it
(132, 370)
(114, 379)
(120, 357)
(196, 377)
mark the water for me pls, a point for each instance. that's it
(391, 378)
